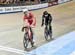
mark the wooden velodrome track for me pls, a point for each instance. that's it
(10, 26)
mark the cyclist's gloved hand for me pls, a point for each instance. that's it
(41, 25)
(22, 29)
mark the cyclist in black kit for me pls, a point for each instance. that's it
(47, 19)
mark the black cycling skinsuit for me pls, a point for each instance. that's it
(47, 19)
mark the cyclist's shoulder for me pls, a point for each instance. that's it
(49, 14)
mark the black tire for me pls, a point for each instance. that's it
(25, 41)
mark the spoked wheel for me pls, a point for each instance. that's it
(25, 41)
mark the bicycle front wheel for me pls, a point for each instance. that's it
(46, 35)
(25, 41)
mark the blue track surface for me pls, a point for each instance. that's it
(64, 45)
(66, 50)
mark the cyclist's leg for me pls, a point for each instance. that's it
(46, 27)
(50, 31)
(31, 40)
(31, 32)
(46, 32)
(32, 43)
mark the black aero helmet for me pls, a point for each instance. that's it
(45, 12)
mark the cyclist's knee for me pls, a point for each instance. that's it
(31, 30)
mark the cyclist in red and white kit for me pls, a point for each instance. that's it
(29, 18)
(29, 21)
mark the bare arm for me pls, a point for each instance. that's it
(42, 20)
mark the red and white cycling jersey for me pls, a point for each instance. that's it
(30, 19)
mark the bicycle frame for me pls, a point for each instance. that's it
(28, 37)
(47, 32)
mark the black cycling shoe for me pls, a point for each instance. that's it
(32, 44)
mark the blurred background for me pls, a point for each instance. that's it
(23, 2)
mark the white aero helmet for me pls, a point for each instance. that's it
(25, 10)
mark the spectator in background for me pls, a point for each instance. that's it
(7, 1)
(15, 1)
(2, 2)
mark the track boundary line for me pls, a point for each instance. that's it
(13, 50)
